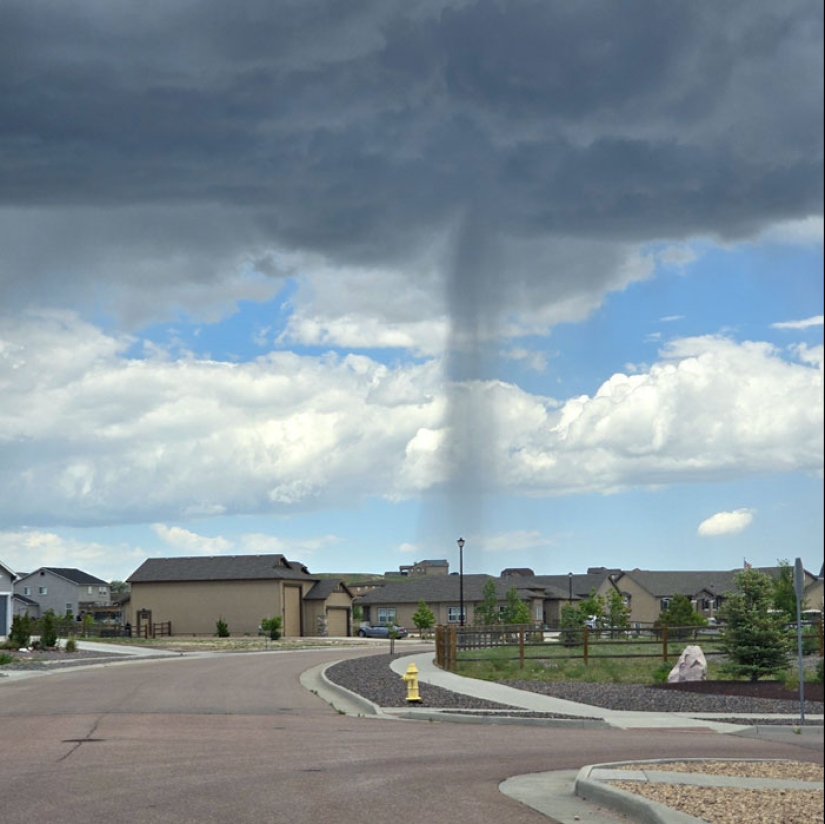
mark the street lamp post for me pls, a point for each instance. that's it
(460, 543)
(570, 588)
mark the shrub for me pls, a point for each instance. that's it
(222, 628)
(571, 624)
(661, 673)
(271, 627)
(71, 644)
(21, 631)
(820, 671)
(5, 658)
(48, 630)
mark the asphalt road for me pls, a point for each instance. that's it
(235, 738)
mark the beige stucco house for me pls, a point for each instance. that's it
(398, 601)
(648, 592)
(194, 593)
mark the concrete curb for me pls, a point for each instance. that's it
(635, 807)
(339, 698)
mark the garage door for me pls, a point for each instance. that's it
(337, 622)
(292, 612)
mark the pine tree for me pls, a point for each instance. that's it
(757, 641)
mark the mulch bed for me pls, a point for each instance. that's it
(751, 689)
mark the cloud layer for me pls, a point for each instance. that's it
(94, 435)
(522, 151)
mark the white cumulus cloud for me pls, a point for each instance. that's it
(726, 523)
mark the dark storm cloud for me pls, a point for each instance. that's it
(355, 127)
(148, 146)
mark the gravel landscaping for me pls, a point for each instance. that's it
(373, 679)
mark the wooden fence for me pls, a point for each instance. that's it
(536, 642)
(81, 629)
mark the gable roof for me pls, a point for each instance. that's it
(441, 588)
(662, 584)
(324, 588)
(220, 568)
(558, 586)
(74, 576)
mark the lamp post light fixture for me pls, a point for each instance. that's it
(570, 588)
(460, 543)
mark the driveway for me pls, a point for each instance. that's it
(235, 738)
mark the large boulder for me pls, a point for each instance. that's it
(691, 666)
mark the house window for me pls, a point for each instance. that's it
(88, 590)
(27, 590)
(665, 603)
(386, 615)
(102, 590)
(43, 590)
(69, 610)
(453, 615)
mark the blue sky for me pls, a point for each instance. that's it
(350, 286)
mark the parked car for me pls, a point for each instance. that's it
(381, 631)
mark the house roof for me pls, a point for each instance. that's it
(441, 588)
(220, 568)
(663, 583)
(558, 586)
(324, 588)
(29, 602)
(12, 574)
(75, 576)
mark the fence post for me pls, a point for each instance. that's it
(585, 644)
(664, 642)
(453, 648)
(521, 647)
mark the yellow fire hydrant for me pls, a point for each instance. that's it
(411, 679)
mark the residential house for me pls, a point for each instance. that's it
(432, 567)
(7, 579)
(398, 601)
(561, 590)
(64, 590)
(648, 592)
(363, 587)
(520, 572)
(815, 593)
(194, 593)
(25, 606)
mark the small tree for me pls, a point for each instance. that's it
(757, 641)
(271, 627)
(784, 591)
(680, 615)
(570, 624)
(515, 611)
(487, 612)
(593, 605)
(48, 630)
(618, 615)
(222, 628)
(423, 617)
(20, 635)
